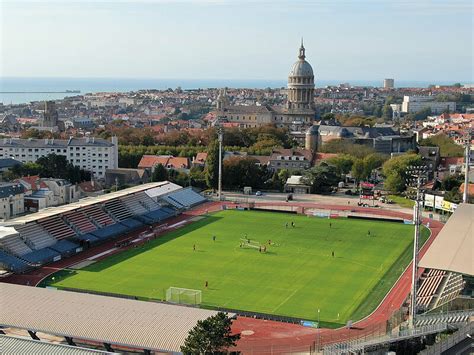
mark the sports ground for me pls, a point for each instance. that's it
(296, 276)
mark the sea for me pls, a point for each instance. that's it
(18, 90)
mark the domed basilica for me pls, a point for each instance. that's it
(297, 115)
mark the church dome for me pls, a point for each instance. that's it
(301, 68)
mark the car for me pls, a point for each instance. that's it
(258, 193)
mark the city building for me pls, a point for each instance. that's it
(124, 176)
(385, 140)
(11, 200)
(388, 83)
(413, 104)
(291, 159)
(93, 154)
(297, 115)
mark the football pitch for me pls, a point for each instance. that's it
(296, 277)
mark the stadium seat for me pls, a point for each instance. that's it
(99, 216)
(81, 223)
(11, 263)
(37, 237)
(132, 223)
(117, 209)
(110, 231)
(57, 228)
(41, 256)
(13, 244)
(65, 247)
(184, 198)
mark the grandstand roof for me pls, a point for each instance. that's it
(117, 321)
(48, 212)
(15, 345)
(452, 248)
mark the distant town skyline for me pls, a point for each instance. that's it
(219, 39)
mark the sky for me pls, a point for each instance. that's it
(417, 40)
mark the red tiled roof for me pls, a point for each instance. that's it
(447, 161)
(201, 157)
(30, 180)
(323, 156)
(149, 161)
(178, 163)
(88, 186)
(470, 189)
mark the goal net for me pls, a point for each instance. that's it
(244, 243)
(180, 295)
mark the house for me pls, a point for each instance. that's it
(200, 159)
(124, 176)
(91, 188)
(47, 192)
(149, 162)
(291, 159)
(294, 184)
(11, 200)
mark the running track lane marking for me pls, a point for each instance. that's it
(102, 254)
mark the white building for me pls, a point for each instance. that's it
(412, 104)
(92, 154)
(11, 200)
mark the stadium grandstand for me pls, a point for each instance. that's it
(54, 233)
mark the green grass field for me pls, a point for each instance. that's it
(296, 277)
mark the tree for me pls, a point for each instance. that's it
(451, 182)
(387, 112)
(342, 162)
(394, 171)
(321, 178)
(212, 164)
(358, 171)
(453, 195)
(447, 147)
(210, 336)
(159, 173)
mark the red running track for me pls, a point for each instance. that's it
(271, 337)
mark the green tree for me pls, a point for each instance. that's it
(159, 173)
(212, 164)
(322, 178)
(387, 112)
(210, 336)
(394, 171)
(453, 195)
(451, 182)
(446, 145)
(358, 170)
(343, 163)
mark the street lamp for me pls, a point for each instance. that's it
(416, 176)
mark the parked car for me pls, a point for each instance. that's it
(258, 193)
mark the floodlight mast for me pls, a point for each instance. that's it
(220, 133)
(416, 177)
(467, 144)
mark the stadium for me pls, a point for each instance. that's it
(296, 276)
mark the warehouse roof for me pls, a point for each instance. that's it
(129, 323)
(15, 345)
(452, 248)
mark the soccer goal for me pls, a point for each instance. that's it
(180, 295)
(244, 243)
